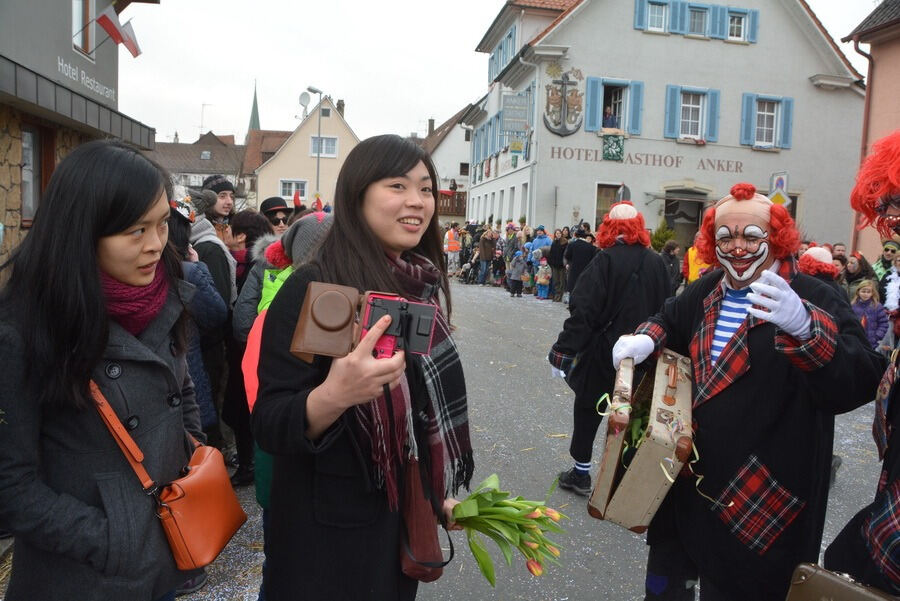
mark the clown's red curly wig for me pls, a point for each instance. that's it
(811, 266)
(784, 241)
(878, 177)
(632, 230)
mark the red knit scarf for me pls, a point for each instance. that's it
(133, 307)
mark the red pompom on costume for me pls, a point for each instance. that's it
(785, 239)
(276, 256)
(625, 221)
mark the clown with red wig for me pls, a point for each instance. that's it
(775, 355)
(868, 548)
(623, 285)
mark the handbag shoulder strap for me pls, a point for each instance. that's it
(126, 443)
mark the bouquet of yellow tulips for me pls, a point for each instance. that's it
(512, 523)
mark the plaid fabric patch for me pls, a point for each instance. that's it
(881, 532)
(760, 508)
(560, 361)
(816, 352)
(654, 331)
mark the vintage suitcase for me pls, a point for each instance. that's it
(630, 495)
(814, 583)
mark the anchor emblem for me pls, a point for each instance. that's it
(564, 108)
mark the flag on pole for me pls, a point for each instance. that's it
(130, 40)
(109, 21)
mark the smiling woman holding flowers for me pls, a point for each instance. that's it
(335, 525)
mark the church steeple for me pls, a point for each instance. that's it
(254, 112)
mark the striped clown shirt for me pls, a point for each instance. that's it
(731, 316)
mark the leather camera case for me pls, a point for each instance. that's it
(325, 325)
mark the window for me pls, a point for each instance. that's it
(326, 112)
(83, 29)
(468, 135)
(691, 115)
(205, 155)
(656, 17)
(735, 26)
(196, 180)
(289, 186)
(614, 98)
(464, 169)
(31, 171)
(698, 21)
(329, 146)
(765, 122)
(623, 97)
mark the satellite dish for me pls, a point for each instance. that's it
(304, 99)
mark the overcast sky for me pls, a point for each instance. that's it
(395, 68)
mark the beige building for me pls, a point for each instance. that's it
(293, 166)
(881, 30)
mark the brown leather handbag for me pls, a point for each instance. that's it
(199, 512)
(814, 583)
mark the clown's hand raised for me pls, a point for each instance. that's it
(784, 307)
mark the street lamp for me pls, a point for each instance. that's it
(316, 90)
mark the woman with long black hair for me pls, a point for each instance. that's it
(93, 293)
(335, 529)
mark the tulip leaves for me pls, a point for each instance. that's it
(512, 523)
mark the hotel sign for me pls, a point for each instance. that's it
(648, 159)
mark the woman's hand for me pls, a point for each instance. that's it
(353, 380)
(448, 506)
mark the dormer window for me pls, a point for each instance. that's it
(205, 155)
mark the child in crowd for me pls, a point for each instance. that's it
(515, 274)
(871, 312)
(498, 268)
(542, 278)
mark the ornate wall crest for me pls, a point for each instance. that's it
(564, 105)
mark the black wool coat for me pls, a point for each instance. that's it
(578, 253)
(765, 422)
(331, 533)
(605, 286)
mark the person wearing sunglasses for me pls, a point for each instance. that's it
(277, 212)
(889, 250)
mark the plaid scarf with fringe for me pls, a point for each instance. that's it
(434, 430)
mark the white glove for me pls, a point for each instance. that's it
(555, 373)
(785, 309)
(637, 347)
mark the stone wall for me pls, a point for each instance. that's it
(64, 140)
(10, 180)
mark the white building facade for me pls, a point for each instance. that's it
(698, 97)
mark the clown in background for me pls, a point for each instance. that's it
(775, 354)
(868, 548)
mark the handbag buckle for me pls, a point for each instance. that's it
(152, 491)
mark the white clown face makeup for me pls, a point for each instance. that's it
(742, 247)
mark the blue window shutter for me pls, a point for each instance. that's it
(640, 14)
(512, 41)
(636, 102)
(787, 122)
(718, 22)
(748, 119)
(500, 135)
(678, 16)
(593, 104)
(673, 112)
(712, 116)
(752, 25)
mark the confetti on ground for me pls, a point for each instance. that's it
(557, 436)
(528, 449)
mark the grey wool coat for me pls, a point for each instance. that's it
(83, 527)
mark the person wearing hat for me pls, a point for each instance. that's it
(221, 211)
(889, 250)
(276, 210)
(775, 354)
(621, 287)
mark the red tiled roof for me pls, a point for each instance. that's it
(572, 5)
(261, 141)
(548, 4)
(188, 158)
(435, 139)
